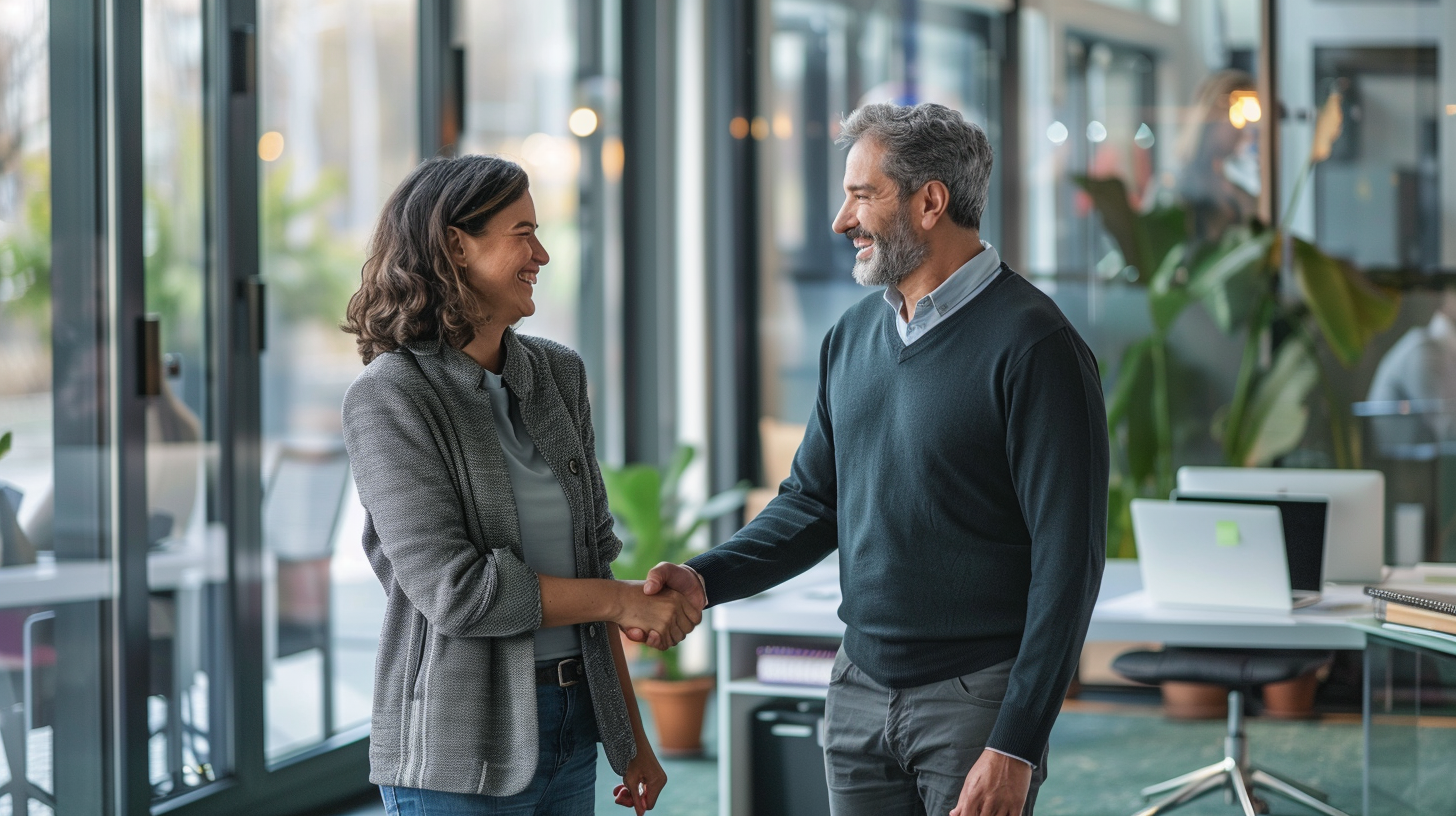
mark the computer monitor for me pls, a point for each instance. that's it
(1355, 533)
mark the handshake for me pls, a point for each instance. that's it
(661, 610)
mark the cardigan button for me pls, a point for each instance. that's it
(591, 631)
(575, 467)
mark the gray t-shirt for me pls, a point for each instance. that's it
(541, 509)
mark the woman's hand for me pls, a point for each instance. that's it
(669, 613)
(642, 782)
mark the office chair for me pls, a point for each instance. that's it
(1238, 669)
(302, 506)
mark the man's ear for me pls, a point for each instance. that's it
(933, 200)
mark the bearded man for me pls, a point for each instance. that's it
(957, 458)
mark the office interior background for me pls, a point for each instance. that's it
(187, 621)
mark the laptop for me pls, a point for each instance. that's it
(1209, 555)
(1305, 519)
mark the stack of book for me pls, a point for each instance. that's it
(794, 666)
(1415, 611)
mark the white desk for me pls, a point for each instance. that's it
(1325, 625)
(804, 611)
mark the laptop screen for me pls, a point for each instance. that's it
(1304, 533)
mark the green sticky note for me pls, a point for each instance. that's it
(1226, 533)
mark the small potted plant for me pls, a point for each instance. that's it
(656, 524)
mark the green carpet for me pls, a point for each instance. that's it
(1100, 761)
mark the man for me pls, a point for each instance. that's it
(957, 457)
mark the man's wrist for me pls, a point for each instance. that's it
(1027, 762)
(702, 583)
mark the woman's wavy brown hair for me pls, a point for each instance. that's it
(410, 290)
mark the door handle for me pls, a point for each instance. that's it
(149, 346)
(255, 291)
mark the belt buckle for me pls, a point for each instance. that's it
(561, 673)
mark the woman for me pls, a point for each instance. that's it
(499, 664)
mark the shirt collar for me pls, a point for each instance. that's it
(956, 288)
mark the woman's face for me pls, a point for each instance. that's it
(503, 261)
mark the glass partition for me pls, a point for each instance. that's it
(337, 84)
(827, 57)
(186, 543)
(55, 554)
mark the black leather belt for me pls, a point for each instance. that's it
(564, 673)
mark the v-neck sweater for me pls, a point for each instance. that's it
(963, 479)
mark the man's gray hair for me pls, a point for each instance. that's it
(924, 143)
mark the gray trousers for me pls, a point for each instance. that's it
(906, 752)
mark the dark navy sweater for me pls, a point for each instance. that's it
(964, 480)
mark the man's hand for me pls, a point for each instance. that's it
(666, 616)
(668, 575)
(996, 786)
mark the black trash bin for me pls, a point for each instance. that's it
(788, 759)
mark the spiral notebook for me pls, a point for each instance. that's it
(1402, 608)
(1444, 603)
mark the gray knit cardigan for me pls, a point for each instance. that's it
(454, 682)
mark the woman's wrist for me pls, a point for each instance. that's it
(615, 600)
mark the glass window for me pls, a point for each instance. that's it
(337, 85)
(1369, 131)
(825, 59)
(540, 101)
(550, 101)
(1141, 167)
(54, 569)
(187, 544)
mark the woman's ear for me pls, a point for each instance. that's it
(455, 245)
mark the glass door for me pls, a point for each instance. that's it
(337, 91)
(187, 545)
(55, 554)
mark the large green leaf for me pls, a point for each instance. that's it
(1277, 415)
(1349, 309)
(1141, 428)
(1166, 297)
(716, 506)
(1164, 228)
(634, 494)
(5, 444)
(1127, 377)
(1109, 197)
(681, 458)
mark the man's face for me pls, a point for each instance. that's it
(876, 220)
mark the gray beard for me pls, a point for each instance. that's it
(897, 254)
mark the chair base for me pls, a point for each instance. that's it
(1236, 776)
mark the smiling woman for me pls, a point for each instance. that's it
(486, 518)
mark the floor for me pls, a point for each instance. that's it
(1102, 753)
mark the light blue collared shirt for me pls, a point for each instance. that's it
(959, 289)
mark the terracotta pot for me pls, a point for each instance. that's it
(1194, 701)
(677, 707)
(1292, 699)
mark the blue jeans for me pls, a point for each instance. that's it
(566, 768)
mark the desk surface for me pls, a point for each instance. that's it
(808, 606)
(57, 582)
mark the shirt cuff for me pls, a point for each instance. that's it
(1013, 756)
(701, 581)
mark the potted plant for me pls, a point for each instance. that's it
(1238, 278)
(656, 524)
